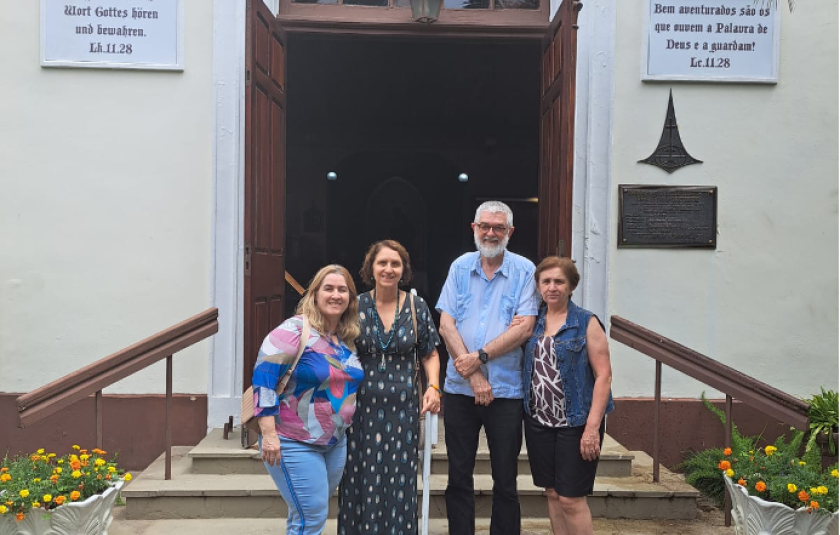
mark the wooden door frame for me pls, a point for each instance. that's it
(227, 248)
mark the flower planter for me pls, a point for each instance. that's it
(754, 516)
(90, 517)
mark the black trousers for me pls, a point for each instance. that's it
(502, 422)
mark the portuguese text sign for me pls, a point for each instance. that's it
(723, 41)
(667, 216)
(114, 34)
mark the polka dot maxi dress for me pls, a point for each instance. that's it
(378, 494)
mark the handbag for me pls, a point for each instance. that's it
(246, 415)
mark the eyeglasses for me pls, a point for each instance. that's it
(497, 229)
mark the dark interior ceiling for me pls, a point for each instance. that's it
(453, 89)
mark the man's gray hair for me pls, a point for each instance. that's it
(495, 206)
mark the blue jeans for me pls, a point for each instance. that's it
(306, 477)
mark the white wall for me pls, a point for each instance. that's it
(766, 301)
(105, 211)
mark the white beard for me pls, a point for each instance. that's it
(490, 251)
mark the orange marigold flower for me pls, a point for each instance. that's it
(803, 496)
(60, 499)
(75, 465)
(742, 482)
(4, 469)
(5, 477)
(815, 505)
(54, 478)
(760, 486)
(34, 457)
(75, 495)
(727, 451)
(724, 465)
(108, 477)
(20, 516)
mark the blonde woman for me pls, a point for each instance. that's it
(303, 442)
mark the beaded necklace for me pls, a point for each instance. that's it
(392, 330)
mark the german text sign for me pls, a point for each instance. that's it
(667, 216)
(725, 41)
(118, 34)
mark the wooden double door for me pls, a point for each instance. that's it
(265, 161)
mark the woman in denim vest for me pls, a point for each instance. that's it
(566, 382)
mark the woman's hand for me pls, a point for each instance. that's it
(271, 449)
(431, 401)
(590, 444)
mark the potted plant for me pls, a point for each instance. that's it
(824, 414)
(772, 489)
(45, 493)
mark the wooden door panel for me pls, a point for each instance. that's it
(265, 179)
(557, 132)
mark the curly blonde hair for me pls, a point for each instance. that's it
(348, 325)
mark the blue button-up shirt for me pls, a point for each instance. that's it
(483, 309)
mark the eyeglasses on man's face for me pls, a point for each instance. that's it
(497, 229)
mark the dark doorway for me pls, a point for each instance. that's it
(397, 121)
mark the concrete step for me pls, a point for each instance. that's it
(215, 455)
(195, 495)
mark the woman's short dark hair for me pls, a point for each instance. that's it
(367, 266)
(565, 264)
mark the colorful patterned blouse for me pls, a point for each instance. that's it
(318, 403)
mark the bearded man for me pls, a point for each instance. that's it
(483, 292)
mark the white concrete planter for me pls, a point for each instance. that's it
(90, 517)
(754, 516)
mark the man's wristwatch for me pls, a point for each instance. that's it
(482, 356)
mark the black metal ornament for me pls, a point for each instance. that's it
(670, 154)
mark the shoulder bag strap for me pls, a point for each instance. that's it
(304, 338)
(414, 319)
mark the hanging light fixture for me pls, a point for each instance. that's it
(425, 11)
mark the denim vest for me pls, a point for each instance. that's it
(573, 362)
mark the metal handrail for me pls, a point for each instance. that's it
(92, 378)
(759, 395)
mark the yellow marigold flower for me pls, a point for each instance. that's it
(730, 472)
(727, 451)
(76, 474)
(815, 505)
(51, 455)
(791, 487)
(127, 477)
(5, 477)
(58, 469)
(752, 451)
(112, 469)
(770, 450)
(835, 473)
(801, 463)
(40, 451)
(3, 509)
(84, 457)
(24, 493)
(74, 495)
(44, 458)
(47, 498)
(814, 491)
(36, 505)
(724, 465)
(99, 462)
(37, 480)
(60, 461)
(760, 486)
(76, 447)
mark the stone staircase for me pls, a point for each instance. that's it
(218, 479)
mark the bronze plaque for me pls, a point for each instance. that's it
(667, 216)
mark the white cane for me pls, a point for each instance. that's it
(431, 438)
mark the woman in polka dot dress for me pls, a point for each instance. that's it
(378, 493)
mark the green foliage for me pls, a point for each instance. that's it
(824, 414)
(773, 473)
